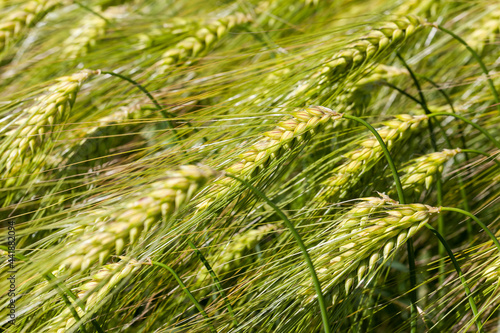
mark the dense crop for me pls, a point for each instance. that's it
(249, 166)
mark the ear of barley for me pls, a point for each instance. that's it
(14, 25)
(295, 129)
(420, 172)
(356, 98)
(201, 42)
(264, 93)
(271, 13)
(125, 226)
(109, 132)
(425, 8)
(160, 36)
(361, 160)
(234, 256)
(84, 38)
(377, 44)
(113, 273)
(371, 231)
(39, 123)
(379, 73)
(486, 30)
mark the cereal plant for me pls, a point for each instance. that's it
(249, 166)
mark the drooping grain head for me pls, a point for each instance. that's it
(123, 227)
(110, 132)
(203, 40)
(486, 30)
(424, 8)
(93, 27)
(39, 123)
(375, 45)
(378, 42)
(421, 172)
(366, 235)
(15, 24)
(294, 130)
(235, 255)
(159, 36)
(361, 160)
(90, 296)
(355, 99)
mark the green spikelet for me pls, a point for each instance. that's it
(125, 226)
(84, 38)
(234, 256)
(177, 26)
(486, 30)
(361, 160)
(372, 230)
(421, 172)
(39, 123)
(13, 27)
(115, 272)
(201, 42)
(288, 133)
(377, 44)
(355, 99)
(110, 132)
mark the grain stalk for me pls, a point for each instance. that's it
(38, 124)
(368, 233)
(293, 130)
(15, 25)
(360, 161)
(203, 40)
(123, 227)
(93, 292)
(377, 44)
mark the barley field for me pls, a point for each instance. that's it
(249, 166)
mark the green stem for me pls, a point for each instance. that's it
(388, 157)
(476, 126)
(439, 184)
(402, 92)
(186, 290)
(463, 194)
(450, 103)
(423, 102)
(413, 284)
(478, 221)
(305, 254)
(409, 243)
(478, 59)
(165, 113)
(441, 249)
(87, 8)
(62, 291)
(216, 281)
(460, 274)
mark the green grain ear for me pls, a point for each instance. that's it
(217, 170)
